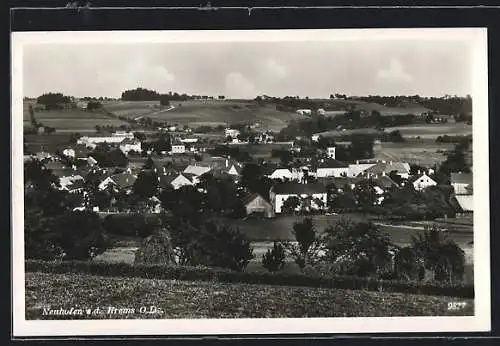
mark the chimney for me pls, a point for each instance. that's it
(357, 162)
(227, 163)
(383, 173)
(419, 172)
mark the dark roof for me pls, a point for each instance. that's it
(166, 180)
(388, 167)
(124, 180)
(342, 181)
(76, 184)
(332, 164)
(250, 197)
(385, 182)
(461, 178)
(296, 188)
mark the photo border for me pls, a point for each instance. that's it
(480, 322)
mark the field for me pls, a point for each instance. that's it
(196, 113)
(419, 152)
(432, 131)
(72, 120)
(46, 142)
(184, 299)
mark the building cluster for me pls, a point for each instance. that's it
(307, 181)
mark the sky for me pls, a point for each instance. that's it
(247, 69)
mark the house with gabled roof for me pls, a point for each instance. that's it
(175, 181)
(256, 204)
(332, 168)
(422, 181)
(197, 170)
(279, 193)
(386, 167)
(121, 181)
(461, 183)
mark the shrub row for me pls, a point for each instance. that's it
(228, 276)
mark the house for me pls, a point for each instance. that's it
(175, 181)
(330, 153)
(189, 140)
(77, 186)
(115, 138)
(130, 144)
(332, 168)
(422, 181)
(466, 203)
(358, 168)
(256, 204)
(281, 173)
(178, 148)
(233, 133)
(120, 181)
(304, 111)
(154, 205)
(401, 168)
(197, 170)
(69, 152)
(66, 181)
(281, 192)
(461, 182)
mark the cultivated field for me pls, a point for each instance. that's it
(185, 299)
(73, 120)
(432, 131)
(423, 152)
(195, 113)
(46, 142)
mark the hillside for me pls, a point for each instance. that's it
(183, 299)
(196, 113)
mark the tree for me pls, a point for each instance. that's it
(72, 235)
(406, 264)
(308, 245)
(357, 248)
(365, 194)
(274, 259)
(34, 123)
(439, 254)
(291, 204)
(146, 185)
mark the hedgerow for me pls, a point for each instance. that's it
(200, 273)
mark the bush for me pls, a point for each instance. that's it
(156, 249)
(274, 260)
(200, 273)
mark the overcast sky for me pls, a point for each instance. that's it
(245, 70)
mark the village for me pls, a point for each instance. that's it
(304, 184)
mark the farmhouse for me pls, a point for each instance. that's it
(66, 181)
(178, 148)
(332, 168)
(256, 204)
(128, 145)
(401, 168)
(120, 181)
(461, 182)
(197, 170)
(280, 173)
(115, 138)
(330, 152)
(423, 181)
(175, 181)
(358, 168)
(281, 192)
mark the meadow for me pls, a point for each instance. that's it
(206, 299)
(432, 131)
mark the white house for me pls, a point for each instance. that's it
(304, 111)
(281, 192)
(175, 181)
(178, 148)
(69, 152)
(128, 145)
(189, 140)
(330, 152)
(358, 168)
(197, 170)
(423, 181)
(233, 133)
(315, 138)
(281, 173)
(461, 182)
(66, 181)
(332, 168)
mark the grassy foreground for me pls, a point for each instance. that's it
(186, 299)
